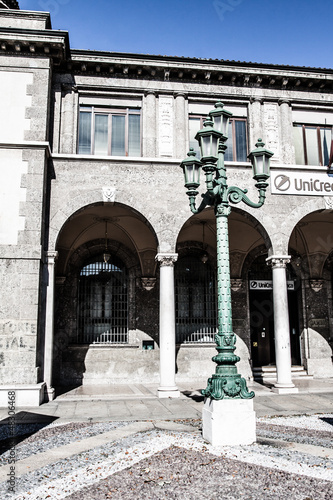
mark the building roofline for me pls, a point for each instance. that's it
(198, 60)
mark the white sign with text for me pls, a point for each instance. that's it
(302, 183)
(267, 285)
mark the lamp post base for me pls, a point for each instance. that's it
(229, 422)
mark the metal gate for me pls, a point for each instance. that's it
(196, 311)
(103, 303)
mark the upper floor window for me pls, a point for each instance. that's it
(312, 144)
(105, 131)
(237, 137)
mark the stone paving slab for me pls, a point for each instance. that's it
(124, 403)
(35, 462)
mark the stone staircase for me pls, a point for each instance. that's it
(268, 373)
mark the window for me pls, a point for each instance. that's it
(114, 132)
(237, 138)
(103, 303)
(312, 144)
(196, 316)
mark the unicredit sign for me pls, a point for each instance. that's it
(304, 183)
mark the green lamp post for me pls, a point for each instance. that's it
(226, 383)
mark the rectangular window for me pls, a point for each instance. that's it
(237, 138)
(312, 144)
(109, 132)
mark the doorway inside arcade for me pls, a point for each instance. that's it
(262, 315)
(262, 328)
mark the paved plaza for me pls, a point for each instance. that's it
(124, 442)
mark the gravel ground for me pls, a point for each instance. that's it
(179, 473)
(170, 465)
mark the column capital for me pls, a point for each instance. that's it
(316, 284)
(284, 101)
(166, 259)
(236, 284)
(51, 256)
(278, 261)
(148, 283)
(260, 100)
(151, 92)
(180, 94)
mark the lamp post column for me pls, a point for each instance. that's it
(284, 383)
(168, 386)
(49, 323)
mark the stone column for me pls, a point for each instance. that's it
(181, 126)
(284, 383)
(49, 320)
(168, 386)
(149, 125)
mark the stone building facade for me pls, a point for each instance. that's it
(102, 264)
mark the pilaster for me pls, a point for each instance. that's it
(286, 133)
(149, 125)
(255, 121)
(180, 126)
(49, 323)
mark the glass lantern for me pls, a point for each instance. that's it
(260, 159)
(221, 117)
(208, 139)
(191, 168)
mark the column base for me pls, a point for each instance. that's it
(284, 388)
(168, 392)
(229, 422)
(49, 394)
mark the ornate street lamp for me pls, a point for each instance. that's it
(226, 383)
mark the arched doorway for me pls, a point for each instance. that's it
(311, 247)
(196, 285)
(104, 312)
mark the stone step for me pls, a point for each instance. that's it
(268, 373)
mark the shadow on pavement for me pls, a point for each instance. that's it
(328, 420)
(198, 398)
(15, 429)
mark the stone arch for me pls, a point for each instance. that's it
(114, 222)
(283, 233)
(311, 242)
(78, 203)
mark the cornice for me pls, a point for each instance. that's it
(220, 72)
(35, 43)
(28, 14)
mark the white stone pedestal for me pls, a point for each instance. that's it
(229, 422)
(25, 395)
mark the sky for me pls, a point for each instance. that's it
(287, 32)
